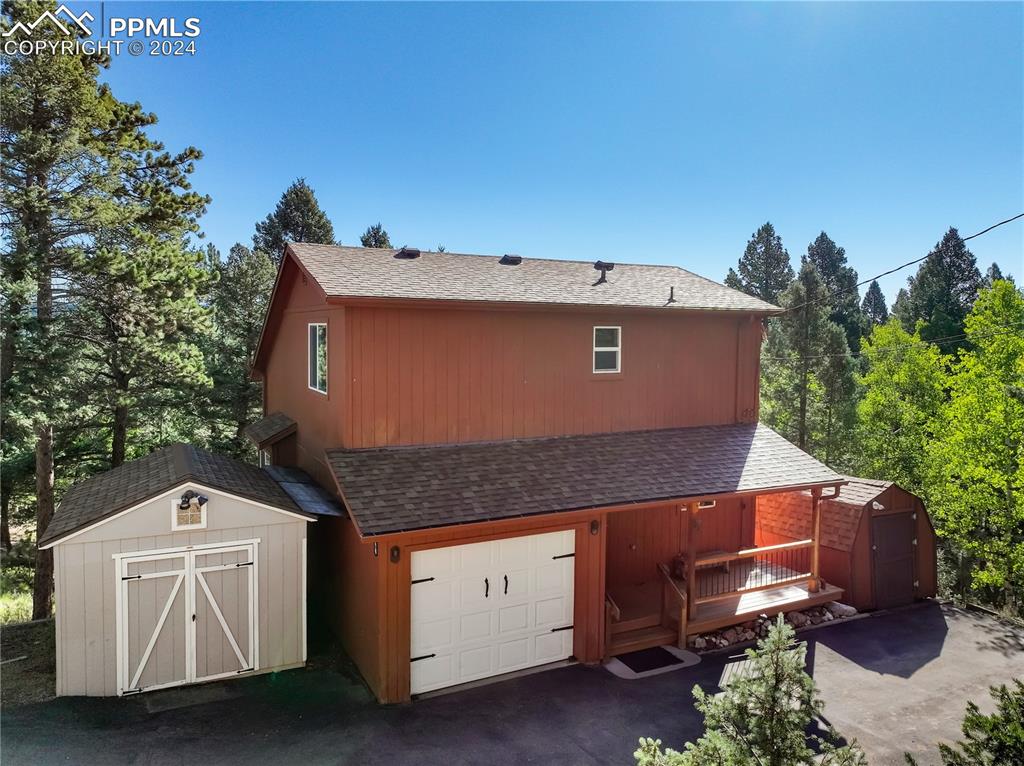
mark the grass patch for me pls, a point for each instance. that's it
(15, 607)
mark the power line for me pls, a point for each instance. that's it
(898, 268)
(922, 343)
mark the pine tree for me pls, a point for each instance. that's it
(764, 271)
(76, 161)
(993, 274)
(297, 218)
(873, 308)
(239, 301)
(942, 292)
(375, 236)
(840, 282)
(761, 717)
(807, 371)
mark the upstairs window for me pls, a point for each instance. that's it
(607, 349)
(318, 357)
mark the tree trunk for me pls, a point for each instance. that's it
(42, 591)
(119, 436)
(5, 517)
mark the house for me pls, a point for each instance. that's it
(877, 541)
(178, 568)
(538, 459)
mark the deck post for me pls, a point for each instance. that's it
(692, 593)
(815, 584)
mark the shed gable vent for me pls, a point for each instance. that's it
(510, 260)
(408, 253)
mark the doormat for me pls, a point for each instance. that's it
(651, 662)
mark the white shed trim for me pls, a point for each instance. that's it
(168, 493)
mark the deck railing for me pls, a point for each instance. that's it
(722, 575)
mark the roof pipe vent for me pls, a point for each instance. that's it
(408, 253)
(672, 294)
(604, 268)
(510, 260)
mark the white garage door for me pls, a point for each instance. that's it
(488, 608)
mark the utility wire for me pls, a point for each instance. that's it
(921, 343)
(898, 268)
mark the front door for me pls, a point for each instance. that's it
(893, 549)
(492, 607)
(186, 616)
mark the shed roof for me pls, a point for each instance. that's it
(306, 493)
(407, 488)
(270, 429)
(111, 492)
(359, 272)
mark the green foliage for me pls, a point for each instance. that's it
(873, 309)
(15, 607)
(239, 301)
(942, 292)
(807, 373)
(902, 390)
(297, 218)
(840, 281)
(762, 716)
(764, 270)
(990, 740)
(375, 236)
(975, 462)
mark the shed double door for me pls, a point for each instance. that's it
(488, 608)
(186, 616)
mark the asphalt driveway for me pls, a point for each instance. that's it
(896, 682)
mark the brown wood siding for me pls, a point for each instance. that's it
(422, 376)
(286, 374)
(355, 614)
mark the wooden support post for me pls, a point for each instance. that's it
(691, 559)
(815, 584)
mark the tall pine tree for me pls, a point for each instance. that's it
(873, 308)
(75, 162)
(942, 292)
(240, 298)
(764, 270)
(840, 282)
(297, 218)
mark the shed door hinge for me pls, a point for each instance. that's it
(422, 657)
(126, 692)
(564, 556)
(566, 627)
(422, 579)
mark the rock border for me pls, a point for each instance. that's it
(747, 633)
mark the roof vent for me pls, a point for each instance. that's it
(510, 260)
(408, 253)
(604, 268)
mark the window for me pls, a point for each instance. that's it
(318, 357)
(188, 512)
(265, 458)
(607, 349)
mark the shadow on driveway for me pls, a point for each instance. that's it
(894, 681)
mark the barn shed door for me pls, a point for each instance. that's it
(491, 607)
(186, 616)
(894, 553)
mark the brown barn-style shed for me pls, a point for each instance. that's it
(877, 542)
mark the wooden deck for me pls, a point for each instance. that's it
(742, 607)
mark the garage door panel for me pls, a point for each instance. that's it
(475, 626)
(490, 629)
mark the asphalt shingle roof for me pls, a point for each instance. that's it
(406, 488)
(137, 481)
(269, 429)
(377, 273)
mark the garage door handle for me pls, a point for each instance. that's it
(487, 587)
(506, 585)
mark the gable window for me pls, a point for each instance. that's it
(188, 512)
(607, 349)
(317, 360)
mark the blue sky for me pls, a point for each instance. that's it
(652, 133)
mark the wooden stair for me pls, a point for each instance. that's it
(641, 638)
(630, 624)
